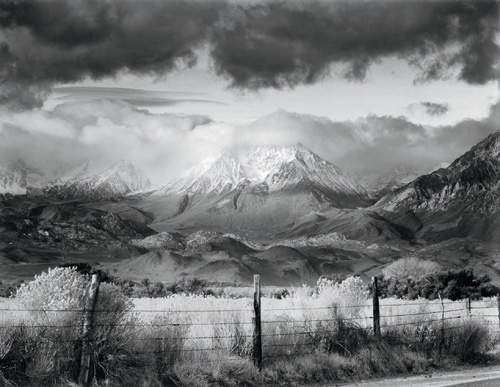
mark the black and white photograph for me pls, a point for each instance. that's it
(226, 193)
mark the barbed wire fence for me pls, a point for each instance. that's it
(262, 336)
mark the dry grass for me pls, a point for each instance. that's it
(207, 341)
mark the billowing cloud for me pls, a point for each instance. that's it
(370, 144)
(254, 44)
(74, 132)
(165, 144)
(433, 109)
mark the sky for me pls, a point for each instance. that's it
(369, 85)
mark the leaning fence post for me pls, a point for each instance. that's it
(85, 378)
(257, 328)
(376, 308)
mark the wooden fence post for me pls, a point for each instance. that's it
(376, 308)
(469, 306)
(441, 341)
(498, 307)
(85, 378)
(257, 326)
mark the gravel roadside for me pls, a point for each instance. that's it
(477, 376)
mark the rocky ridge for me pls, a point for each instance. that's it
(471, 182)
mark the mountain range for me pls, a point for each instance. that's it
(16, 176)
(282, 211)
(462, 200)
(97, 181)
(275, 168)
(254, 192)
(90, 180)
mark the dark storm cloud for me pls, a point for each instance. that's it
(254, 45)
(44, 42)
(282, 44)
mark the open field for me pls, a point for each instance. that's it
(208, 341)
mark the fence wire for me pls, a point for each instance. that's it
(290, 336)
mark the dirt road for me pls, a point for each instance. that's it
(465, 377)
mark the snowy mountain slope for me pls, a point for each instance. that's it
(16, 177)
(217, 174)
(265, 170)
(286, 167)
(264, 192)
(96, 180)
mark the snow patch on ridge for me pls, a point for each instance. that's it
(16, 177)
(216, 174)
(101, 180)
(279, 168)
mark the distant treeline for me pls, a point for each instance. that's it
(450, 284)
(407, 278)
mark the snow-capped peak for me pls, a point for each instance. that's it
(217, 173)
(16, 176)
(279, 168)
(283, 167)
(126, 173)
(97, 179)
(83, 171)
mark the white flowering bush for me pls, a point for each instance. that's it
(351, 292)
(54, 303)
(57, 289)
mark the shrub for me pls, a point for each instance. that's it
(87, 269)
(154, 290)
(166, 341)
(280, 294)
(410, 267)
(451, 284)
(469, 340)
(113, 337)
(188, 285)
(56, 300)
(57, 289)
(339, 335)
(10, 289)
(233, 337)
(127, 287)
(351, 292)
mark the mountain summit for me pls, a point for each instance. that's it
(266, 188)
(96, 180)
(284, 168)
(273, 169)
(216, 174)
(16, 177)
